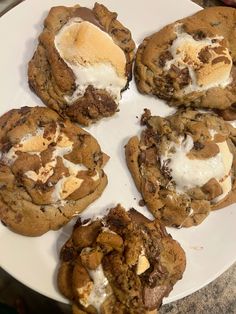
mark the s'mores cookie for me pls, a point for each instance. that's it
(50, 170)
(191, 62)
(121, 263)
(82, 63)
(184, 165)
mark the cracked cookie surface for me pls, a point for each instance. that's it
(82, 63)
(191, 61)
(184, 165)
(121, 263)
(50, 170)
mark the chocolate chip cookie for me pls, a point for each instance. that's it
(121, 263)
(50, 170)
(82, 63)
(184, 165)
(191, 61)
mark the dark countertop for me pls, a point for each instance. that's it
(219, 297)
(207, 3)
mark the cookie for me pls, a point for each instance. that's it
(121, 263)
(50, 170)
(184, 165)
(82, 63)
(191, 61)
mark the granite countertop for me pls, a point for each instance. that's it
(219, 297)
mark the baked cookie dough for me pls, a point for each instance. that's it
(50, 170)
(121, 263)
(82, 63)
(184, 165)
(191, 62)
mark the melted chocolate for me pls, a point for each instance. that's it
(88, 15)
(138, 217)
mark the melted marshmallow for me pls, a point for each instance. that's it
(44, 173)
(185, 51)
(66, 185)
(35, 143)
(226, 181)
(32, 143)
(189, 173)
(99, 292)
(233, 123)
(93, 57)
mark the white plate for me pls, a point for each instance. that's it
(210, 248)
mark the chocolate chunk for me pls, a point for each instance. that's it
(164, 56)
(88, 15)
(199, 35)
(198, 145)
(145, 116)
(204, 55)
(221, 59)
(212, 188)
(153, 296)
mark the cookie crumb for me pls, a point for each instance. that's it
(142, 203)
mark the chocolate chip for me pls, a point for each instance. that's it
(142, 203)
(166, 171)
(145, 116)
(61, 124)
(67, 254)
(5, 225)
(21, 121)
(150, 187)
(164, 56)
(216, 23)
(179, 76)
(197, 145)
(24, 110)
(221, 59)
(97, 157)
(6, 147)
(81, 137)
(204, 55)
(78, 223)
(199, 35)
(164, 87)
(85, 221)
(141, 158)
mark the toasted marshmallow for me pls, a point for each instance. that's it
(44, 173)
(183, 169)
(35, 144)
(84, 293)
(143, 263)
(65, 187)
(93, 57)
(214, 71)
(63, 141)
